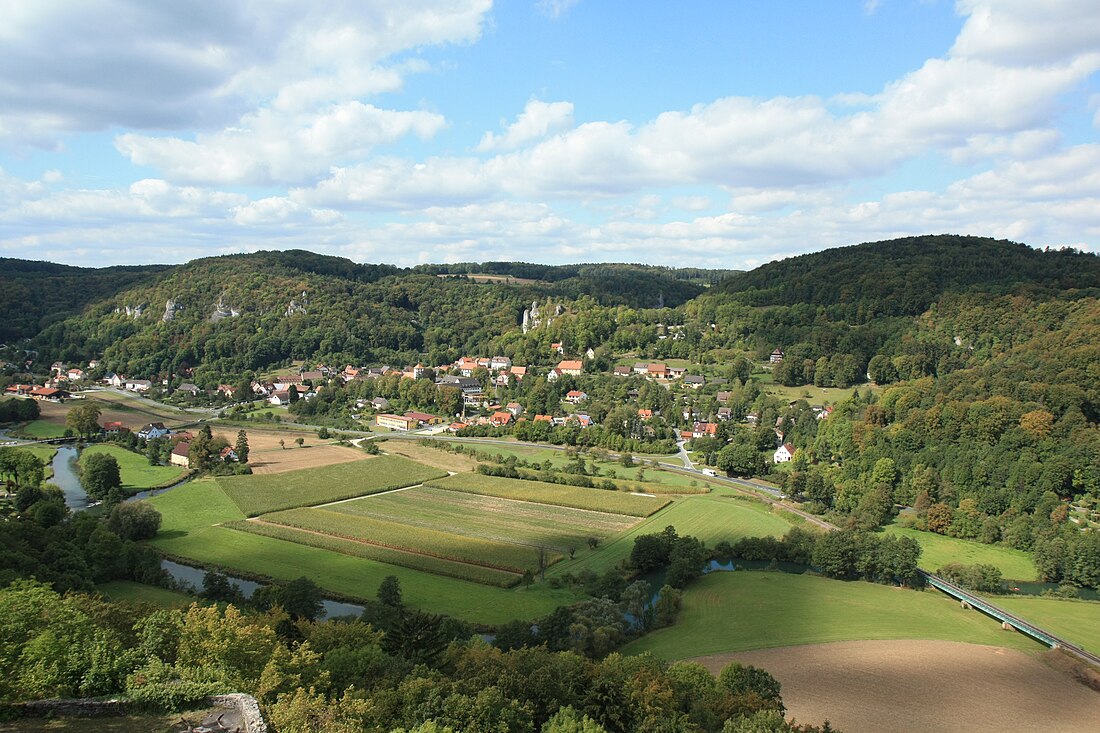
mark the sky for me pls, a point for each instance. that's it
(710, 133)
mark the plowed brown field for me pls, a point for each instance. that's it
(942, 686)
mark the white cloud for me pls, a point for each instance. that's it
(537, 120)
(270, 146)
(554, 8)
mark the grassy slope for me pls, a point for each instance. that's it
(135, 470)
(1075, 621)
(271, 492)
(41, 429)
(186, 531)
(727, 612)
(710, 518)
(127, 590)
(938, 550)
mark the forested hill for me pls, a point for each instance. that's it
(35, 294)
(236, 313)
(903, 277)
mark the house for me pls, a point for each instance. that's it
(456, 426)
(280, 397)
(783, 453)
(380, 403)
(138, 385)
(468, 385)
(575, 396)
(558, 348)
(115, 380)
(544, 418)
(396, 422)
(704, 430)
(314, 376)
(694, 381)
(500, 419)
(500, 362)
(466, 366)
(179, 455)
(676, 372)
(515, 408)
(725, 413)
(226, 391)
(423, 418)
(776, 357)
(584, 420)
(286, 382)
(501, 380)
(590, 353)
(645, 414)
(621, 371)
(553, 374)
(188, 388)
(228, 454)
(752, 418)
(350, 373)
(571, 366)
(58, 367)
(74, 375)
(112, 428)
(641, 368)
(657, 371)
(723, 396)
(152, 431)
(49, 394)
(19, 390)
(519, 372)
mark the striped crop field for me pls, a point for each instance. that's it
(490, 517)
(599, 500)
(432, 542)
(259, 494)
(400, 558)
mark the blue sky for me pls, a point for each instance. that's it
(721, 134)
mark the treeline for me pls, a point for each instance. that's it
(18, 410)
(341, 676)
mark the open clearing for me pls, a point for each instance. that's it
(136, 472)
(260, 494)
(742, 610)
(903, 686)
(938, 550)
(128, 590)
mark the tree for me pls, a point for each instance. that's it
(134, 521)
(389, 592)
(100, 474)
(301, 598)
(741, 459)
(241, 448)
(84, 419)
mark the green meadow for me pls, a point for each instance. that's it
(136, 472)
(938, 550)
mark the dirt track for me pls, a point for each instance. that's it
(925, 686)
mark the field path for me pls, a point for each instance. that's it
(368, 496)
(943, 686)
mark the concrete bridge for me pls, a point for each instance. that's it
(1008, 620)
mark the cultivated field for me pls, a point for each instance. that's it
(260, 494)
(266, 456)
(136, 472)
(903, 686)
(615, 502)
(489, 517)
(938, 550)
(742, 610)
(114, 408)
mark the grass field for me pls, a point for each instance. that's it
(187, 531)
(615, 502)
(358, 578)
(260, 494)
(41, 429)
(711, 518)
(726, 612)
(938, 550)
(411, 560)
(135, 470)
(127, 590)
(608, 468)
(410, 538)
(489, 517)
(1076, 621)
